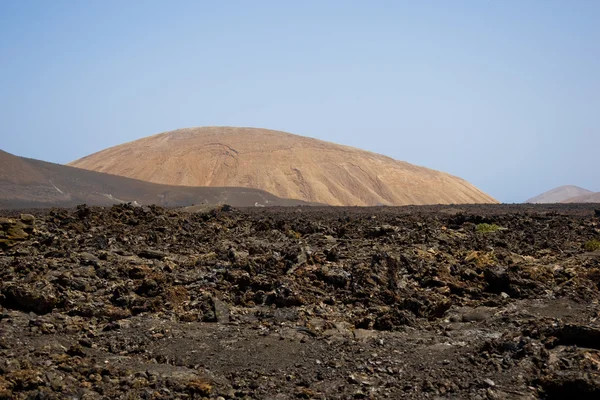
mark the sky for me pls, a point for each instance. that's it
(503, 93)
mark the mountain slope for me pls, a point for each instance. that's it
(586, 198)
(28, 183)
(559, 194)
(286, 165)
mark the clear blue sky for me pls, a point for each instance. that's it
(503, 93)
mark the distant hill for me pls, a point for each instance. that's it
(587, 198)
(560, 194)
(28, 183)
(286, 165)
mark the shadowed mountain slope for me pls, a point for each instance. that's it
(28, 183)
(286, 165)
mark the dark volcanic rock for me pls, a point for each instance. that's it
(144, 302)
(13, 231)
(497, 279)
(152, 254)
(40, 299)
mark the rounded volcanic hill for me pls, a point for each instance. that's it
(283, 164)
(560, 194)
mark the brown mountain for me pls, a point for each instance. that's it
(286, 165)
(559, 194)
(28, 183)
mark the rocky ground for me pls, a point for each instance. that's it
(481, 302)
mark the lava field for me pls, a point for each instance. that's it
(437, 302)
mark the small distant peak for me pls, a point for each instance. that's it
(559, 194)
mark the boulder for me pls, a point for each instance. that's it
(14, 231)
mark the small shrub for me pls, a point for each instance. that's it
(592, 245)
(488, 228)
